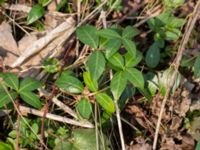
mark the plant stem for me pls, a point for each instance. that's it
(119, 125)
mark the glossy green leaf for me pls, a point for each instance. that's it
(92, 84)
(153, 56)
(108, 33)
(29, 84)
(87, 35)
(117, 61)
(36, 13)
(96, 64)
(130, 61)
(11, 80)
(118, 84)
(112, 47)
(5, 146)
(69, 83)
(129, 32)
(197, 67)
(127, 93)
(105, 102)
(135, 77)
(5, 98)
(130, 47)
(31, 99)
(84, 108)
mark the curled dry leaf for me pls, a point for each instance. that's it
(8, 46)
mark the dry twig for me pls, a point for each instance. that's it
(28, 110)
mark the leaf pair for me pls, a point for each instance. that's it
(23, 88)
(89, 35)
(84, 107)
(120, 79)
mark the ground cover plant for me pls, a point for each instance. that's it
(108, 75)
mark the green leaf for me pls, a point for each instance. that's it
(198, 145)
(197, 67)
(153, 56)
(87, 35)
(84, 139)
(31, 99)
(135, 77)
(92, 84)
(177, 22)
(130, 47)
(127, 93)
(145, 92)
(69, 83)
(84, 108)
(152, 81)
(117, 61)
(29, 84)
(105, 102)
(63, 145)
(164, 18)
(112, 47)
(11, 80)
(118, 84)
(51, 65)
(96, 64)
(109, 34)
(170, 35)
(129, 32)
(5, 98)
(172, 3)
(131, 61)
(44, 2)
(36, 13)
(61, 4)
(5, 146)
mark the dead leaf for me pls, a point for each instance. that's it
(176, 123)
(195, 128)
(8, 46)
(52, 6)
(140, 147)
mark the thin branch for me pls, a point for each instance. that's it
(184, 41)
(28, 110)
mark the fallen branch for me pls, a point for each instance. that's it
(176, 65)
(59, 104)
(67, 26)
(64, 107)
(27, 110)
